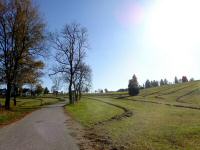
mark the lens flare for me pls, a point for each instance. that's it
(131, 14)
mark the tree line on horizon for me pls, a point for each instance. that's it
(134, 87)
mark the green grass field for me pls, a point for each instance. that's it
(24, 106)
(163, 118)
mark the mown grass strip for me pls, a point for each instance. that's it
(127, 112)
(167, 104)
(91, 112)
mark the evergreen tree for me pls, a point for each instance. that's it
(175, 80)
(133, 87)
(154, 83)
(165, 82)
(147, 84)
(106, 90)
(39, 89)
(46, 90)
(192, 79)
(162, 82)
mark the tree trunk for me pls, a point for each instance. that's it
(76, 95)
(8, 95)
(15, 101)
(70, 94)
(80, 95)
(20, 90)
(15, 94)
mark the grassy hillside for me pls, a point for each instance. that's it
(162, 118)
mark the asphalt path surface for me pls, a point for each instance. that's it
(43, 129)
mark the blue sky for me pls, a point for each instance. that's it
(132, 37)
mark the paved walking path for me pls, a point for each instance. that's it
(44, 129)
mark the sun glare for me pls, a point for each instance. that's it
(173, 29)
(175, 24)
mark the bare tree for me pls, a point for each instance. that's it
(82, 80)
(56, 84)
(21, 36)
(71, 45)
